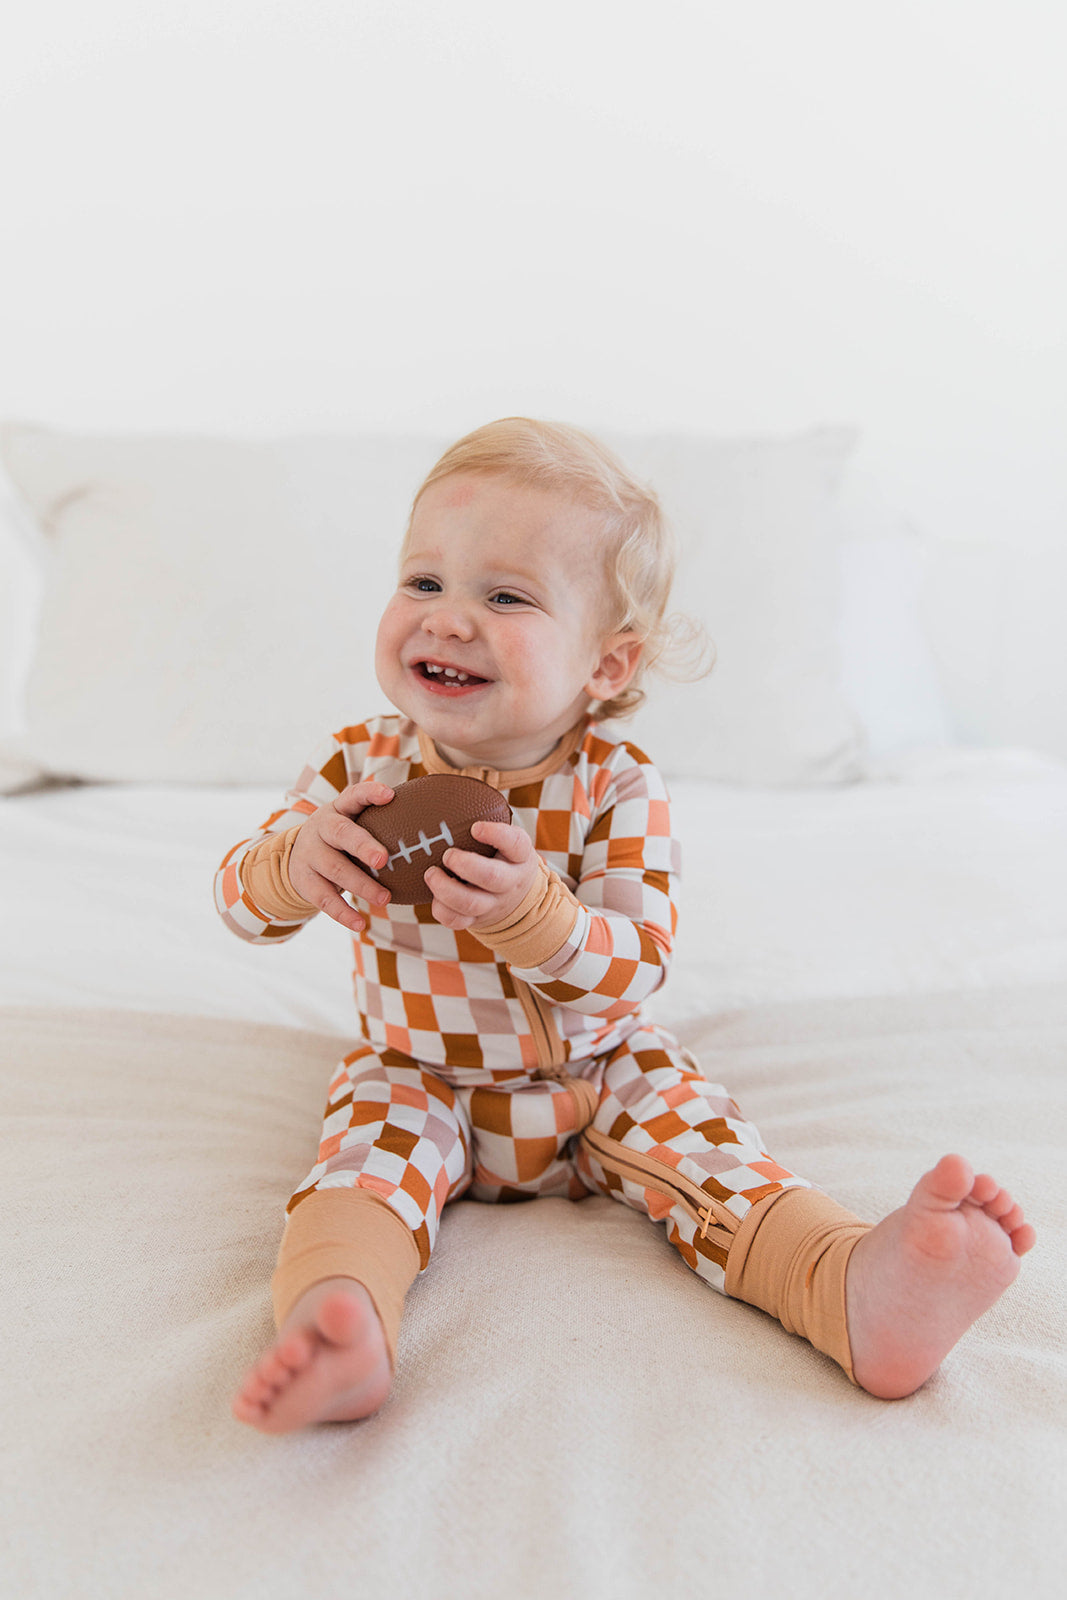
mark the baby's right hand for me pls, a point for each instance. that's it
(321, 864)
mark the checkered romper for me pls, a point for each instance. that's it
(475, 1077)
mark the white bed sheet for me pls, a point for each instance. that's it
(878, 971)
(950, 873)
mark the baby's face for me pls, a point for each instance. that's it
(495, 632)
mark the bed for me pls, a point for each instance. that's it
(872, 954)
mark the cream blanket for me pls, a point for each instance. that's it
(575, 1414)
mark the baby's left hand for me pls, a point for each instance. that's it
(492, 886)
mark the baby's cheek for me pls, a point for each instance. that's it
(388, 630)
(533, 658)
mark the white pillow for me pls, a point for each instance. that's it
(759, 567)
(888, 669)
(994, 614)
(210, 604)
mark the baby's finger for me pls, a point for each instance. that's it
(344, 872)
(455, 905)
(320, 860)
(359, 845)
(359, 795)
(506, 839)
(325, 896)
(339, 833)
(484, 872)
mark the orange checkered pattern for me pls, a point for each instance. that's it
(441, 1097)
(602, 822)
(655, 1102)
(393, 1126)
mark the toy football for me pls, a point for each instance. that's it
(425, 817)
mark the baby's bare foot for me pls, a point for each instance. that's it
(329, 1363)
(918, 1280)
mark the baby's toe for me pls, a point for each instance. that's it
(950, 1182)
(1023, 1239)
(1010, 1218)
(293, 1353)
(244, 1409)
(341, 1319)
(259, 1388)
(278, 1368)
(985, 1190)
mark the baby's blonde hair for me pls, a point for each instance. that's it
(639, 550)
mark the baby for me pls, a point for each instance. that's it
(504, 1053)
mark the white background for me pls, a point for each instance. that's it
(256, 217)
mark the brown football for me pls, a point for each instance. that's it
(424, 818)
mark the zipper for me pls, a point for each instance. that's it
(547, 1042)
(651, 1174)
(551, 1055)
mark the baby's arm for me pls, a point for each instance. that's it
(298, 863)
(601, 950)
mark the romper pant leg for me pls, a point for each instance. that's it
(524, 1137)
(396, 1145)
(673, 1145)
(658, 1120)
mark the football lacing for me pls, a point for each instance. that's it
(405, 851)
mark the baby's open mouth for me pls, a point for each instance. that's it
(447, 677)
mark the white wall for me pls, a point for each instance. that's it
(251, 215)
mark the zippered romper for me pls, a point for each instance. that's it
(514, 1061)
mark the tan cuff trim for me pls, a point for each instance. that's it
(347, 1233)
(539, 926)
(265, 878)
(789, 1257)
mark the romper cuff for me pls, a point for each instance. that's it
(348, 1233)
(790, 1257)
(539, 926)
(265, 879)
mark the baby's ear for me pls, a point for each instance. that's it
(620, 660)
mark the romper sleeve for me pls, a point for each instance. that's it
(253, 894)
(606, 947)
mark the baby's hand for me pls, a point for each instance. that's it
(321, 865)
(492, 886)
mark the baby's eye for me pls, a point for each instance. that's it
(506, 598)
(423, 585)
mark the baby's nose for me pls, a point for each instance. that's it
(448, 622)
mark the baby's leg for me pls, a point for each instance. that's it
(345, 1264)
(670, 1143)
(886, 1303)
(395, 1147)
(901, 1294)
